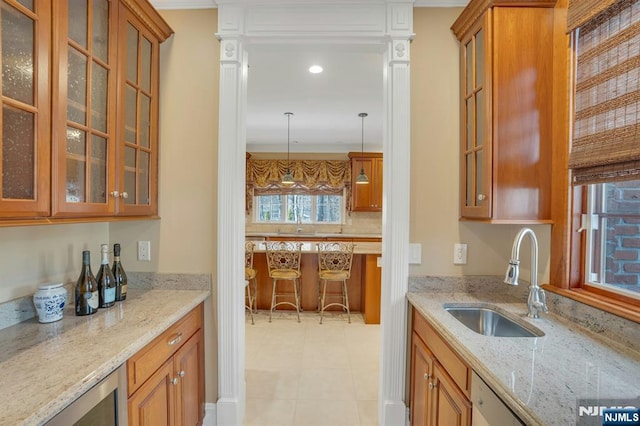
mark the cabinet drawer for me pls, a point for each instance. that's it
(144, 363)
(456, 368)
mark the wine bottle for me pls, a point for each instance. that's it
(119, 275)
(106, 282)
(87, 299)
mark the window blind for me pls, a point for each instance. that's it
(606, 133)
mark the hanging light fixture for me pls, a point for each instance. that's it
(362, 177)
(287, 179)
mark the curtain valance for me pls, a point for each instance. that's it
(605, 143)
(310, 177)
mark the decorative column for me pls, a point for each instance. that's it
(231, 213)
(395, 218)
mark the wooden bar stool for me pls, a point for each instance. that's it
(334, 264)
(283, 260)
(250, 278)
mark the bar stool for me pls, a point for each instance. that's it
(334, 264)
(250, 278)
(283, 260)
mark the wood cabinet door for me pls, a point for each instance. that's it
(25, 145)
(476, 113)
(153, 403)
(137, 149)
(449, 405)
(376, 181)
(189, 368)
(366, 197)
(421, 374)
(83, 109)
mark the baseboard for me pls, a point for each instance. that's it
(210, 414)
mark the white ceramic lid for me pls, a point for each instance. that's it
(50, 286)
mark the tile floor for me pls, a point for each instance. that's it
(311, 374)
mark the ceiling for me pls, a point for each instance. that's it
(325, 105)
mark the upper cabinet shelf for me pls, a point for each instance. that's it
(84, 136)
(506, 70)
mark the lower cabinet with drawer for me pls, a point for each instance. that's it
(166, 377)
(440, 380)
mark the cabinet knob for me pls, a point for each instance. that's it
(174, 381)
(482, 197)
(114, 194)
(432, 385)
(181, 373)
(427, 376)
(124, 195)
(175, 340)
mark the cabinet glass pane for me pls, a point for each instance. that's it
(480, 118)
(479, 182)
(479, 58)
(146, 65)
(468, 51)
(469, 183)
(130, 174)
(17, 55)
(78, 11)
(98, 169)
(77, 87)
(131, 112)
(132, 53)
(100, 40)
(76, 170)
(18, 154)
(99, 87)
(469, 122)
(143, 178)
(27, 3)
(145, 120)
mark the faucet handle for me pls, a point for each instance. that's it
(543, 300)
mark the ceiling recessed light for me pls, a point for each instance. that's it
(315, 69)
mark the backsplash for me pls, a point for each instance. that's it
(22, 309)
(618, 329)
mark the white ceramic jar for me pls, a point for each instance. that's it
(49, 301)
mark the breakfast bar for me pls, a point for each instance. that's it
(363, 286)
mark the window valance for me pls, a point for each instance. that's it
(310, 177)
(606, 124)
(580, 12)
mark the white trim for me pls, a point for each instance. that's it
(212, 4)
(210, 416)
(391, 28)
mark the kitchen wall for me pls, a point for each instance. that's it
(435, 112)
(184, 240)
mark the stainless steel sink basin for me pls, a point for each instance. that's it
(487, 320)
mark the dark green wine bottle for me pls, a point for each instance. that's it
(119, 274)
(87, 299)
(106, 282)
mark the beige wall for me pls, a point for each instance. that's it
(184, 240)
(434, 162)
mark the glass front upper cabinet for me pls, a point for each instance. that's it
(25, 144)
(84, 146)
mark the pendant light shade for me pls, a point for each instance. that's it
(362, 178)
(287, 179)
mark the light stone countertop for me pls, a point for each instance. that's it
(45, 367)
(310, 247)
(540, 378)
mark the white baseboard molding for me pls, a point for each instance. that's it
(210, 414)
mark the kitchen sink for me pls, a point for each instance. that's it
(487, 320)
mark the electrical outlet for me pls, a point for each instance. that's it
(459, 254)
(144, 251)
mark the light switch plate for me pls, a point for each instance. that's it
(415, 253)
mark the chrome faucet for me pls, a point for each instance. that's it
(537, 300)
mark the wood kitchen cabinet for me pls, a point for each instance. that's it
(80, 138)
(166, 378)
(440, 380)
(506, 89)
(366, 197)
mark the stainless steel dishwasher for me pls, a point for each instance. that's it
(488, 408)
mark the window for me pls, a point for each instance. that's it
(299, 208)
(612, 237)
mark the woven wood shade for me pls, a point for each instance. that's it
(606, 134)
(580, 12)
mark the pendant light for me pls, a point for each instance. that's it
(362, 178)
(287, 179)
